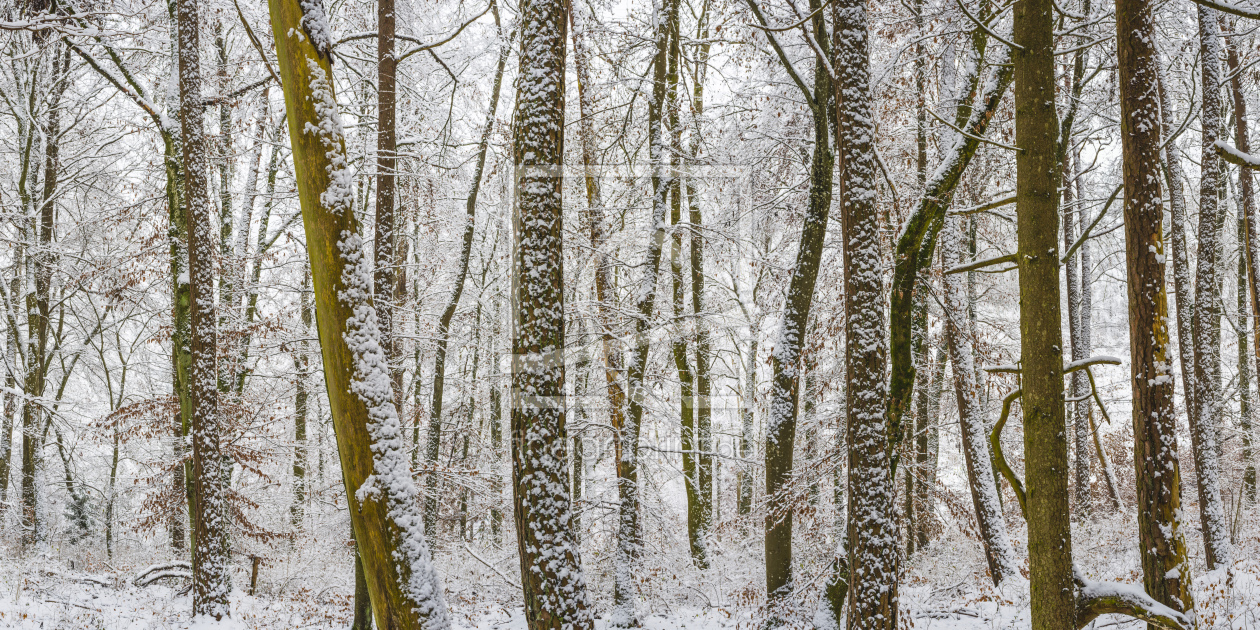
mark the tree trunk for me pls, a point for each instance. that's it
(1041, 333)
(401, 578)
(385, 240)
(301, 402)
(703, 443)
(551, 572)
(682, 363)
(1247, 276)
(1080, 349)
(628, 530)
(1165, 564)
(599, 232)
(362, 596)
(873, 537)
(785, 361)
(1206, 323)
(984, 491)
(211, 577)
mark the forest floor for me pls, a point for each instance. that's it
(945, 588)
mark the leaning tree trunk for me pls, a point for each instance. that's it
(785, 362)
(1206, 323)
(1041, 333)
(1165, 564)
(211, 577)
(404, 587)
(873, 535)
(551, 572)
(984, 490)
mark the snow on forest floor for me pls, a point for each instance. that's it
(945, 588)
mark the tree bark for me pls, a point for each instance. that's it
(1206, 324)
(1165, 564)
(1041, 334)
(551, 572)
(873, 536)
(703, 444)
(401, 578)
(211, 577)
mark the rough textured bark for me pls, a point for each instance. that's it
(402, 581)
(551, 571)
(984, 491)
(1079, 388)
(1165, 564)
(211, 577)
(385, 240)
(301, 404)
(1206, 324)
(1041, 333)
(873, 537)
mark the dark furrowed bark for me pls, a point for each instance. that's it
(872, 529)
(1165, 564)
(551, 574)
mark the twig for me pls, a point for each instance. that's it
(491, 567)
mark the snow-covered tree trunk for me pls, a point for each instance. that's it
(384, 511)
(1183, 287)
(1080, 350)
(301, 406)
(917, 238)
(702, 440)
(551, 572)
(1206, 322)
(211, 577)
(629, 533)
(1041, 329)
(1248, 278)
(1165, 563)
(975, 443)
(873, 536)
(786, 356)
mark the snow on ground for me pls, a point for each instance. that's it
(945, 588)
